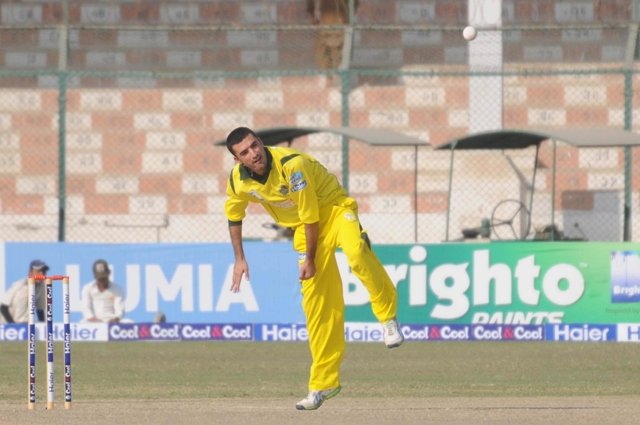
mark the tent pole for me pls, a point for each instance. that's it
(553, 192)
(449, 194)
(533, 186)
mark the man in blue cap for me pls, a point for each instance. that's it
(14, 306)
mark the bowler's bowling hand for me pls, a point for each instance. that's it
(307, 269)
(240, 270)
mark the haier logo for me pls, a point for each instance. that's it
(281, 333)
(13, 332)
(362, 332)
(79, 332)
(581, 333)
(629, 332)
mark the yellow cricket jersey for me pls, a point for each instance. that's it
(293, 192)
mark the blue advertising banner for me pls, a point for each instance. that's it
(519, 283)
(188, 283)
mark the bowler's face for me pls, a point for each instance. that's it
(250, 153)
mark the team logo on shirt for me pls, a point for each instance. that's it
(283, 190)
(297, 181)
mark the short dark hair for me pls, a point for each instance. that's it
(238, 135)
(101, 269)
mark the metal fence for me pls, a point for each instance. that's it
(109, 111)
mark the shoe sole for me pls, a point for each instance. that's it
(301, 407)
(332, 394)
(397, 344)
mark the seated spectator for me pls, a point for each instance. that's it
(102, 300)
(329, 43)
(14, 306)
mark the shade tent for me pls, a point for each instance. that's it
(371, 136)
(519, 139)
(523, 138)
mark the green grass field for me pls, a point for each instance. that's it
(243, 369)
(245, 382)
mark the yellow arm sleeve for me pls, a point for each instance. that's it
(234, 207)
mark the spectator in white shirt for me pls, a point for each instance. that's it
(102, 300)
(14, 306)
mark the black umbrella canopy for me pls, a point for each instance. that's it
(520, 139)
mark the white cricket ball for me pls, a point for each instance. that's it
(469, 33)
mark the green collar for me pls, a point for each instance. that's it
(245, 173)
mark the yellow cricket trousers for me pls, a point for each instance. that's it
(322, 295)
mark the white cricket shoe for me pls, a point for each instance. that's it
(391, 333)
(314, 399)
